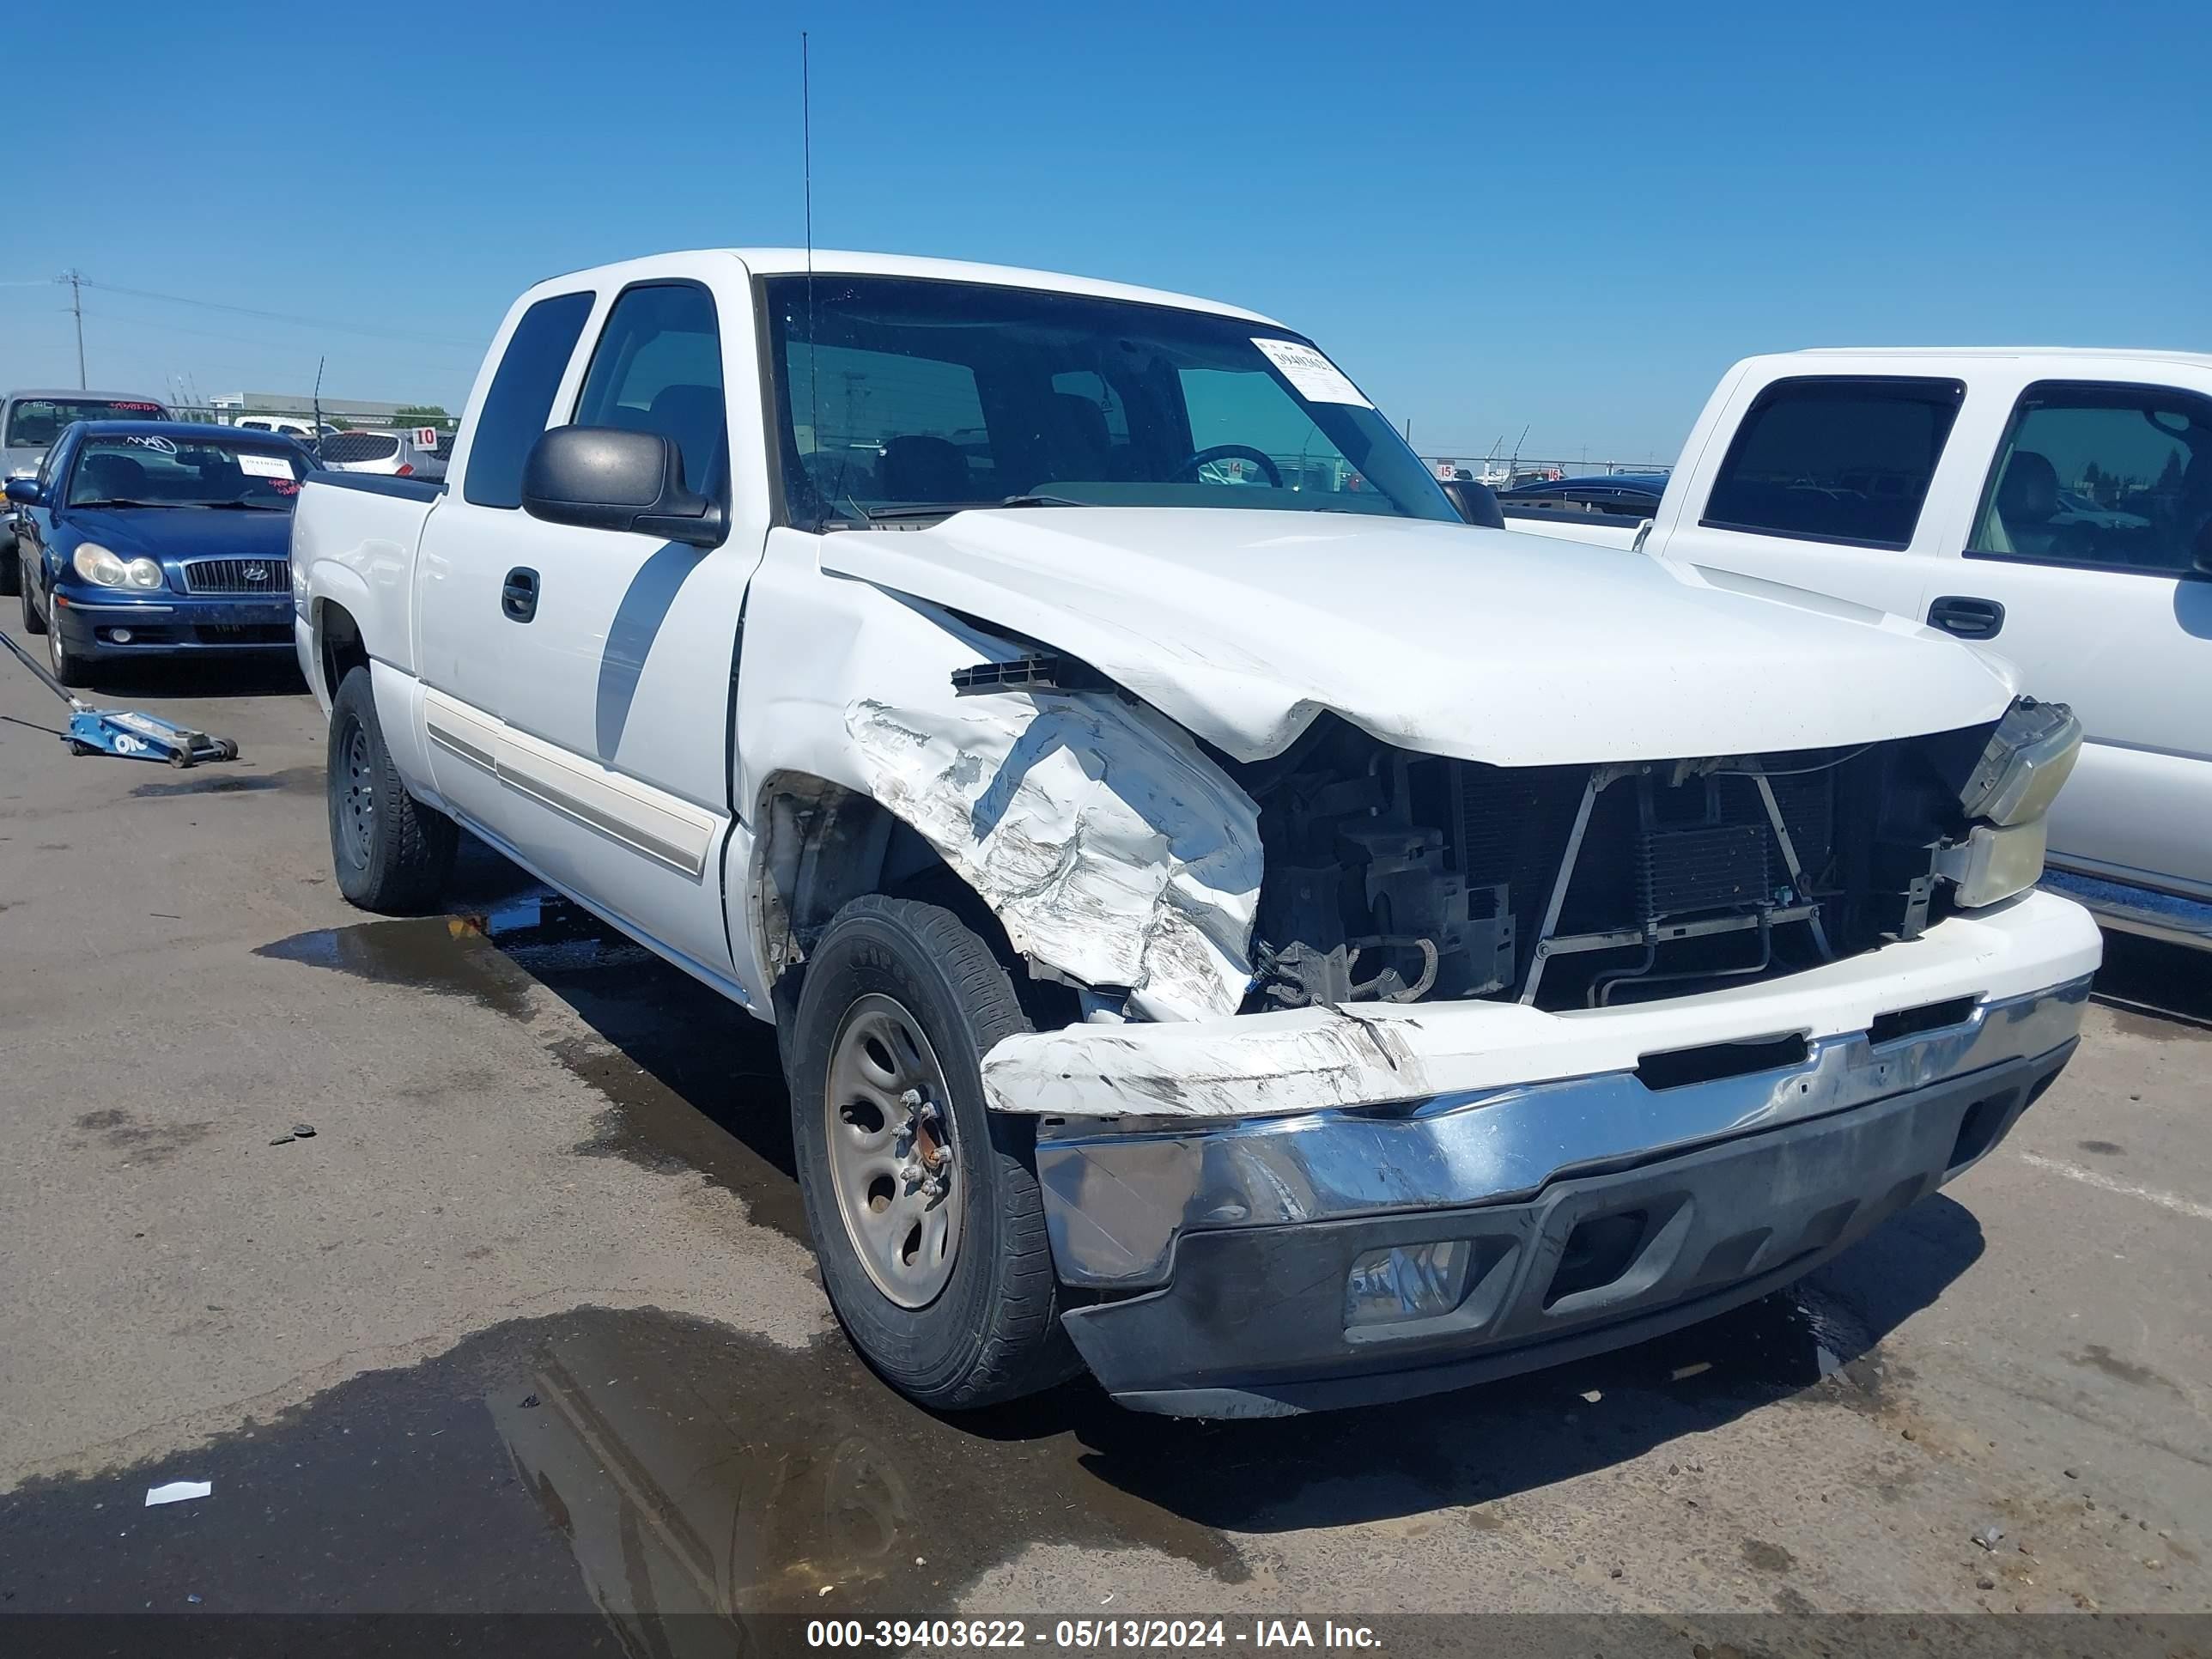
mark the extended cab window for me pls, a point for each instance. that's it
(658, 367)
(2113, 478)
(512, 417)
(1840, 458)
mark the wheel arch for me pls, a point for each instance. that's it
(821, 844)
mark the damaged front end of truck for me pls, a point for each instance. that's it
(1394, 1068)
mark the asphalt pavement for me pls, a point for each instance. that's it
(461, 1256)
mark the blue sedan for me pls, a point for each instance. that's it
(145, 538)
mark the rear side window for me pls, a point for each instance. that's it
(1841, 459)
(2106, 478)
(345, 448)
(658, 367)
(521, 396)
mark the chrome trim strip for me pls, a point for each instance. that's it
(123, 609)
(467, 751)
(1118, 1195)
(638, 841)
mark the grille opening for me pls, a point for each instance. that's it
(1678, 1068)
(1978, 1130)
(1598, 1252)
(1928, 1017)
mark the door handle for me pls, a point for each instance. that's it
(517, 596)
(1968, 618)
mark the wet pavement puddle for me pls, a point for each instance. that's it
(654, 1466)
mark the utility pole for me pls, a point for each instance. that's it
(74, 278)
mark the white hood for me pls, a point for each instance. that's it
(1242, 625)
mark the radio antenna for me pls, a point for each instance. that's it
(807, 168)
(319, 362)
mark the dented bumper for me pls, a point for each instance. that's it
(1579, 1210)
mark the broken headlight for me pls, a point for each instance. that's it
(2029, 755)
(2025, 760)
(1993, 863)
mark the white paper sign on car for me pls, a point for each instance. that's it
(263, 466)
(1314, 378)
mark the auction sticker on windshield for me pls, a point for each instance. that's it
(1310, 374)
(263, 466)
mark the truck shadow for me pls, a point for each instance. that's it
(695, 1088)
(2159, 989)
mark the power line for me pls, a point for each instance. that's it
(116, 319)
(277, 316)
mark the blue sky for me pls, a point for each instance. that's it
(1491, 216)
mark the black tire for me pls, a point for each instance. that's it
(33, 622)
(993, 1333)
(65, 664)
(11, 566)
(393, 857)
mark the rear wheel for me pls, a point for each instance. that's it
(33, 622)
(923, 1205)
(392, 854)
(11, 566)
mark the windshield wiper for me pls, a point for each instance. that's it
(121, 501)
(947, 509)
(238, 507)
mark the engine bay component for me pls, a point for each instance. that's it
(1393, 877)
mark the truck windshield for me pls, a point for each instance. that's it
(35, 423)
(154, 471)
(908, 398)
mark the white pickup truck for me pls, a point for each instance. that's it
(2055, 504)
(1228, 923)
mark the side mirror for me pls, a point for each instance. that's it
(24, 492)
(1477, 502)
(605, 477)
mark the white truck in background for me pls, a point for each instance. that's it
(1228, 923)
(2053, 505)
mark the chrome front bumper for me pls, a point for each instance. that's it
(1118, 1197)
(1223, 1250)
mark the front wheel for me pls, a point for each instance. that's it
(923, 1205)
(392, 854)
(66, 665)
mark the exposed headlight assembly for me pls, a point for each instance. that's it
(2027, 758)
(97, 564)
(1993, 863)
(2029, 755)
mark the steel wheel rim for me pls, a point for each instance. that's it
(54, 646)
(894, 1165)
(356, 797)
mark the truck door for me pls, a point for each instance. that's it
(615, 653)
(1821, 486)
(2082, 566)
(475, 533)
